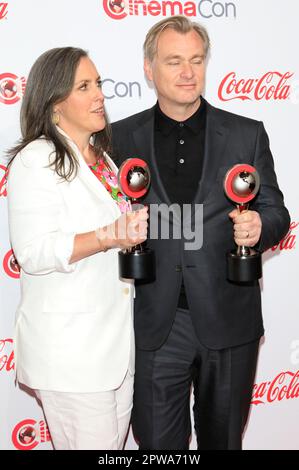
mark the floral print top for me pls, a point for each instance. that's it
(108, 178)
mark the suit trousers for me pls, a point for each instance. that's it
(222, 385)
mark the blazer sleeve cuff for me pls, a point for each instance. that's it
(63, 250)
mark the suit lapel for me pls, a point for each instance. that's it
(215, 146)
(144, 140)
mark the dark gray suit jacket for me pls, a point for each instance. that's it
(224, 314)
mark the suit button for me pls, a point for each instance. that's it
(178, 268)
(126, 290)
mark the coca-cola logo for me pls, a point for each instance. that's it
(10, 265)
(116, 9)
(270, 86)
(3, 180)
(12, 88)
(289, 241)
(3, 10)
(7, 362)
(284, 386)
(29, 433)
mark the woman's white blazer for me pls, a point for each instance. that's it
(73, 330)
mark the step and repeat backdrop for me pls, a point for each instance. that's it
(253, 70)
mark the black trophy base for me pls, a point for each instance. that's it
(244, 268)
(137, 264)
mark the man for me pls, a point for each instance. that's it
(192, 325)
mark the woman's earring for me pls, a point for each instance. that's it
(55, 118)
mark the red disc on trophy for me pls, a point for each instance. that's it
(241, 183)
(134, 178)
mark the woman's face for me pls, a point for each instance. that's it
(82, 112)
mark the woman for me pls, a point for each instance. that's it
(74, 341)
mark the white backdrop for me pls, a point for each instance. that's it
(253, 70)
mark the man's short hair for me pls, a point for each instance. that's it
(178, 23)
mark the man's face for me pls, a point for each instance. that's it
(178, 70)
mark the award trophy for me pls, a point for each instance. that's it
(137, 262)
(241, 184)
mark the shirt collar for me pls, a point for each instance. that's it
(195, 123)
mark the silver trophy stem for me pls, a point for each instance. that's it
(243, 251)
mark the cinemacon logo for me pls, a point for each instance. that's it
(112, 89)
(29, 433)
(11, 88)
(10, 265)
(120, 9)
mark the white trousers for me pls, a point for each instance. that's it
(84, 421)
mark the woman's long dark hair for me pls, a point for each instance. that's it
(50, 81)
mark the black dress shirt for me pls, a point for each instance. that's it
(179, 150)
